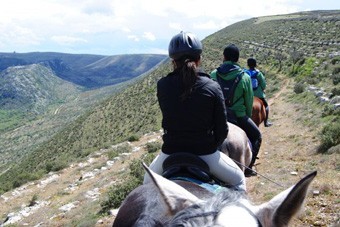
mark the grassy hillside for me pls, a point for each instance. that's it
(128, 114)
(35, 102)
(281, 47)
(33, 88)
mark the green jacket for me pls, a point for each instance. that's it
(259, 92)
(243, 95)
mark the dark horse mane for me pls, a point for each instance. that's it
(210, 208)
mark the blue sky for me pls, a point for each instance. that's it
(111, 27)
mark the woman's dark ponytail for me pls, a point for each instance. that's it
(188, 72)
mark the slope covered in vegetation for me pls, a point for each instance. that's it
(278, 42)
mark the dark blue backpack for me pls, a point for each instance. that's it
(228, 88)
(253, 76)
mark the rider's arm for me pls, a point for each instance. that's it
(220, 118)
(262, 81)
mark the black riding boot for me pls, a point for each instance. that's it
(256, 148)
(249, 172)
(266, 122)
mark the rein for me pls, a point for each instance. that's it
(267, 178)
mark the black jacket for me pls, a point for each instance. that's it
(197, 125)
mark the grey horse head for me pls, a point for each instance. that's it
(166, 203)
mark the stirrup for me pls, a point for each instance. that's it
(250, 173)
(268, 124)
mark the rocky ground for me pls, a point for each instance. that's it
(72, 196)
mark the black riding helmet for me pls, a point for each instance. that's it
(184, 44)
(231, 53)
(251, 62)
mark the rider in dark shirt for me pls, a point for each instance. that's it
(194, 113)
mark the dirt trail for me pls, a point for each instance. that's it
(288, 152)
(72, 196)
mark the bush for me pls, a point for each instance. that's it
(299, 88)
(136, 167)
(118, 193)
(33, 200)
(336, 70)
(330, 136)
(24, 178)
(134, 137)
(55, 166)
(153, 147)
(335, 79)
(124, 148)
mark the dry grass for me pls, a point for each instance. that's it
(290, 147)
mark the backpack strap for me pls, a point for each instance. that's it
(229, 99)
(232, 91)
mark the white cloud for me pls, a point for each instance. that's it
(206, 25)
(133, 37)
(149, 36)
(101, 22)
(176, 26)
(67, 40)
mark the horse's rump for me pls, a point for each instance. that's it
(237, 146)
(258, 112)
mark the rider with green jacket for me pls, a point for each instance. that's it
(243, 95)
(259, 86)
(239, 106)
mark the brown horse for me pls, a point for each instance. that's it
(259, 111)
(179, 203)
(237, 146)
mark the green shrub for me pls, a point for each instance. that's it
(299, 88)
(134, 137)
(24, 178)
(330, 135)
(336, 70)
(55, 166)
(335, 79)
(124, 148)
(327, 110)
(153, 146)
(136, 167)
(33, 200)
(335, 91)
(118, 193)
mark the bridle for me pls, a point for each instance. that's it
(215, 214)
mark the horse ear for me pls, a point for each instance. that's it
(175, 197)
(280, 210)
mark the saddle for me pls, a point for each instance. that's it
(186, 165)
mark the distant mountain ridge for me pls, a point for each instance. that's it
(89, 71)
(33, 87)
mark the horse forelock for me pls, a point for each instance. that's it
(211, 212)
